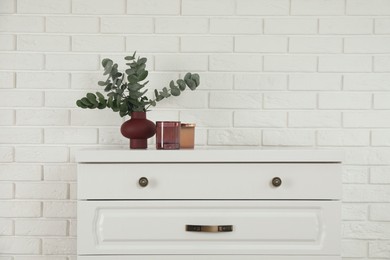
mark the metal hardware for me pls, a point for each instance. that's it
(143, 181)
(210, 229)
(276, 182)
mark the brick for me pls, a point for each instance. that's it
(365, 193)
(291, 100)
(19, 245)
(380, 175)
(260, 81)
(236, 25)
(366, 119)
(208, 7)
(20, 172)
(367, 82)
(315, 45)
(259, 119)
(380, 137)
(7, 42)
(62, 99)
(7, 79)
(151, 7)
(234, 62)
(207, 118)
(355, 174)
(367, 45)
(41, 154)
(95, 117)
(97, 43)
(40, 257)
(279, 63)
(216, 81)
(382, 26)
(379, 249)
(158, 80)
(12, 98)
(250, 137)
(86, 80)
(354, 211)
(345, 64)
(380, 212)
(43, 43)
(318, 119)
(6, 154)
(288, 137)
(9, 23)
(290, 26)
(71, 135)
(263, 7)
(6, 227)
(365, 230)
(19, 61)
(315, 81)
(59, 172)
(17, 135)
(187, 99)
(181, 62)
(112, 136)
(354, 248)
(73, 228)
(44, 6)
(26, 227)
(206, 44)
(59, 209)
(368, 156)
(98, 7)
(345, 137)
(345, 25)
(73, 191)
(72, 62)
(59, 246)
(23, 209)
(42, 117)
(127, 25)
(368, 7)
(235, 99)
(343, 100)
(7, 7)
(382, 64)
(42, 80)
(317, 7)
(6, 190)
(260, 44)
(181, 25)
(152, 43)
(72, 24)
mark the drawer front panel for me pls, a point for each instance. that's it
(258, 227)
(210, 181)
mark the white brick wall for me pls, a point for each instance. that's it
(309, 73)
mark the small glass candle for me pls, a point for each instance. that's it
(187, 136)
(168, 135)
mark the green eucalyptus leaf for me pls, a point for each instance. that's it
(175, 91)
(143, 75)
(80, 104)
(132, 79)
(191, 84)
(102, 106)
(182, 84)
(86, 102)
(102, 83)
(196, 79)
(105, 62)
(142, 61)
(187, 76)
(92, 98)
(129, 58)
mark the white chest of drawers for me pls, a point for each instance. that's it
(209, 204)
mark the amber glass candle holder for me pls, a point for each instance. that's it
(187, 136)
(168, 135)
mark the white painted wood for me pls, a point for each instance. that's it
(259, 227)
(208, 257)
(210, 181)
(210, 155)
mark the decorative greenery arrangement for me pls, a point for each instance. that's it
(126, 93)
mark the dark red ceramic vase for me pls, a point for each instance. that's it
(138, 129)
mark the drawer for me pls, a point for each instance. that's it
(257, 227)
(208, 257)
(209, 181)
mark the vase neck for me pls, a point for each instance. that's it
(138, 115)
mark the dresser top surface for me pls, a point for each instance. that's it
(219, 154)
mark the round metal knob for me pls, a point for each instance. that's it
(143, 181)
(276, 182)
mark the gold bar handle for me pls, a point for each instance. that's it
(211, 229)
